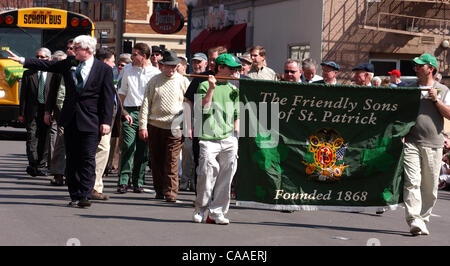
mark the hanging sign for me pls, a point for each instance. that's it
(167, 21)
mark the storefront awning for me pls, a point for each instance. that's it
(232, 37)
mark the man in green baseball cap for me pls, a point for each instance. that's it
(218, 142)
(426, 59)
(423, 146)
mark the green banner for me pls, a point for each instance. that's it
(314, 146)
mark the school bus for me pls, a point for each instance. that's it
(23, 31)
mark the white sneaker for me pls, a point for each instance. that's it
(197, 217)
(217, 220)
(418, 227)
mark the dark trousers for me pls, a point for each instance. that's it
(164, 157)
(37, 150)
(80, 161)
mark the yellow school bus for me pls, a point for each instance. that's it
(23, 31)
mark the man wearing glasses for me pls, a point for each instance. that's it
(86, 114)
(292, 71)
(423, 146)
(156, 55)
(33, 96)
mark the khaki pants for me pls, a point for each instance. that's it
(422, 166)
(101, 159)
(217, 165)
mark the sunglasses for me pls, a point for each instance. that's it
(122, 65)
(290, 71)
(69, 48)
(41, 56)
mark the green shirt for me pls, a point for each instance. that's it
(218, 119)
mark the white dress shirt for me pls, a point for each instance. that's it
(134, 83)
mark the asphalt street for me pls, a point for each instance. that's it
(34, 213)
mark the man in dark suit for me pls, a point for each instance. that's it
(86, 114)
(33, 96)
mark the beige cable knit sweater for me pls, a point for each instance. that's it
(163, 100)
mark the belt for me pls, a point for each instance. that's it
(133, 108)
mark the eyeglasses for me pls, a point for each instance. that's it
(135, 54)
(70, 48)
(155, 55)
(41, 56)
(76, 48)
(290, 71)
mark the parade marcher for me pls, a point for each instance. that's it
(33, 96)
(218, 143)
(134, 151)
(330, 70)
(309, 71)
(259, 69)
(292, 71)
(101, 157)
(183, 65)
(394, 76)
(363, 74)
(246, 61)
(423, 146)
(53, 109)
(86, 113)
(187, 181)
(213, 53)
(156, 55)
(162, 104)
(114, 153)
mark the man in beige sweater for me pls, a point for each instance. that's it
(162, 104)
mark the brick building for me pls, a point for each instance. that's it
(388, 33)
(137, 29)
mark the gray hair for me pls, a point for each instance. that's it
(125, 58)
(58, 55)
(309, 63)
(86, 42)
(44, 50)
(290, 61)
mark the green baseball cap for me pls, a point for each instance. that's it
(426, 59)
(227, 59)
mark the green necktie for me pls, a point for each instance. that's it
(79, 77)
(41, 88)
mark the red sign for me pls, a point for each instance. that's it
(167, 21)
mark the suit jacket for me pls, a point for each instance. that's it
(29, 93)
(91, 107)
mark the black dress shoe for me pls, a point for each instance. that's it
(58, 180)
(72, 204)
(31, 171)
(84, 203)
(122, 189)
(159, 196)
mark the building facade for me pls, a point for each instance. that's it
(137, 28)
(387, 33)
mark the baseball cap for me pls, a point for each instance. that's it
(426, 59)
(366, 67)
(228, 60)
(246, 57)
(395, 72)
(331, 64)
(200, 56)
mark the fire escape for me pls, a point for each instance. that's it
(410, 17)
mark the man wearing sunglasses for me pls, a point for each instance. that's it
(33, 96)
(292, 71)
(86, 114)
(423, 146)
